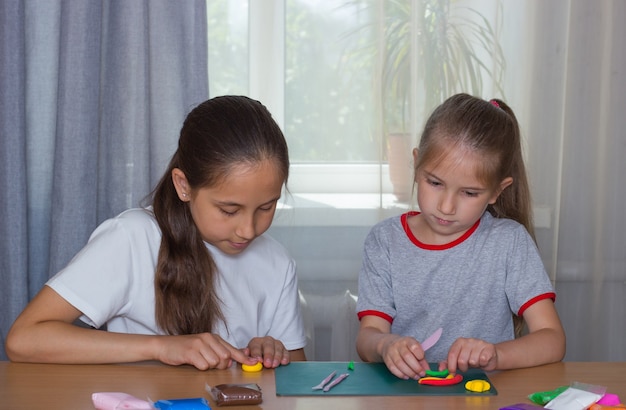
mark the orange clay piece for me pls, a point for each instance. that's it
(439, 381)
(257, 367)
(427, 378)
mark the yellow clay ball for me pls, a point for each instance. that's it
(477, 386)
(257, 367)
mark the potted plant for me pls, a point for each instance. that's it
(428, 50)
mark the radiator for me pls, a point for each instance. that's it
(331, 325)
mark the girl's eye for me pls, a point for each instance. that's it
(268, 207)
(225, 212)
(433, 182)
(471, 194)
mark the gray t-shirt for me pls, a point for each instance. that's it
(469, 287)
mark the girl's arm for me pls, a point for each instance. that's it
(544, 343)
(372, 331)
(44, 333)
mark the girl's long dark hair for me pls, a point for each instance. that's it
(216, 135)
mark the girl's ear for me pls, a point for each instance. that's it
(503, 185)
(181, 185)
(415, 153)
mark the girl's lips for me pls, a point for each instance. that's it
(239, 245)
(443, 221)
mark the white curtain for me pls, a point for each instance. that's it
(565, 79)
(575, 126)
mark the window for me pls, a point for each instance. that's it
(349, 79)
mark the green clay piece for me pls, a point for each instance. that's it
(435, 373)
(351, 366)
(544, 397)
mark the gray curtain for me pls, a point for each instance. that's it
(92, 97)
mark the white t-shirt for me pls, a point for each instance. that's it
(111, 281)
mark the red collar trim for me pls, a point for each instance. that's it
(418, 243)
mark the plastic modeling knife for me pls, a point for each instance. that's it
(432, 339)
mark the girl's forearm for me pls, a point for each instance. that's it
(369, 344)
(59, 342)
(540, 347)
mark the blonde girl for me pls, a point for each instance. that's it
(467, 261)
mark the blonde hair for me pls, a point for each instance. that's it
(490, 129)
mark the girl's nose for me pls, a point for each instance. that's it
(246, 229)
(446, 204)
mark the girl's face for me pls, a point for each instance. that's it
(231, 214)
(451, 198)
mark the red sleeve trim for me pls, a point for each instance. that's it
(549, 295)
(382, 315)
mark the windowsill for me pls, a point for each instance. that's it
(355, 210)
(347, 195)
(337, 209)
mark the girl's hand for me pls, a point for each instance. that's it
(465, 353)
(404, 357)
(269, 351)
(204, 351)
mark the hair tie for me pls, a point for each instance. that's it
(494, 103)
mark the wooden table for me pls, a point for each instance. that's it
(48, 386)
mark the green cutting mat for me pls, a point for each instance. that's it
(367, 379)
